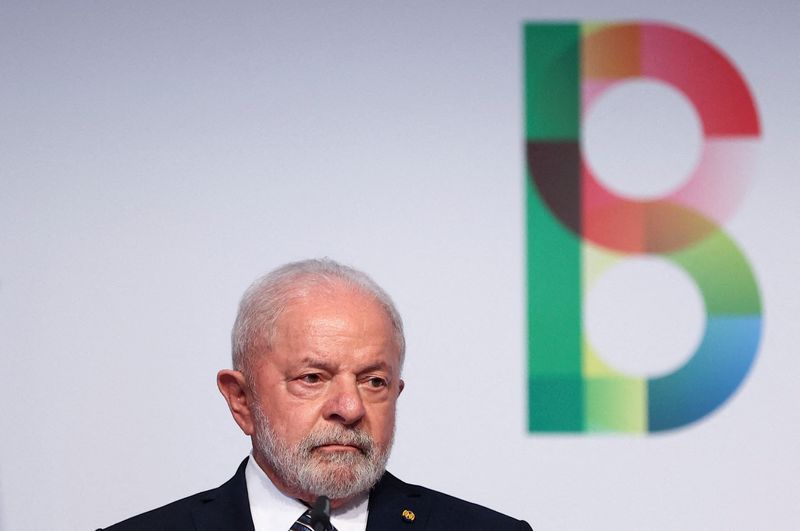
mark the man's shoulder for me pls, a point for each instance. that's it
(174, 515)
(393, 497)
(227, 503)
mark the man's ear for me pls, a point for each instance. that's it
(401, 387)
(233, 386)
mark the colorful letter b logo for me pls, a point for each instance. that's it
(577, 228)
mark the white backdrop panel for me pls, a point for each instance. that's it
(156, 156)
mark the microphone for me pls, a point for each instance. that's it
(321, 514)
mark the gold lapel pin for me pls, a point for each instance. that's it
(408, 516)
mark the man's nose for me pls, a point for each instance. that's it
(344, 403)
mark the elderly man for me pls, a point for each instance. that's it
(317, 353)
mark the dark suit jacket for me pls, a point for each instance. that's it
(227, 508)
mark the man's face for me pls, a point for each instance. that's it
(325, 395)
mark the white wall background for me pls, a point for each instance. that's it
(156, 156)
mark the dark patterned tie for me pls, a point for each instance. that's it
(304, 524)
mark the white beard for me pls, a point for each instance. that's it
(305, 469)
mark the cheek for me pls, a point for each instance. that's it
(383, 419)
(292, 422)
(297, 422)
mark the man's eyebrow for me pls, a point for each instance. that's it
(377, 366)
(321, 363)
(316, 363)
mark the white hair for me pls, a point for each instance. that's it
(267, 298)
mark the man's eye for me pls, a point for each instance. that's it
(377, 382)
(311, 378)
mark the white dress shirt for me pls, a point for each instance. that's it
(273, 511)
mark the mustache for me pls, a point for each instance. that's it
(338, 436)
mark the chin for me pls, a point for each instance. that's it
(344, 476)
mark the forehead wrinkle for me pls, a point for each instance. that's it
(317, 336)
(332, 324)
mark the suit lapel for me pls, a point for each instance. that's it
(397, 506)
(226, 508)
